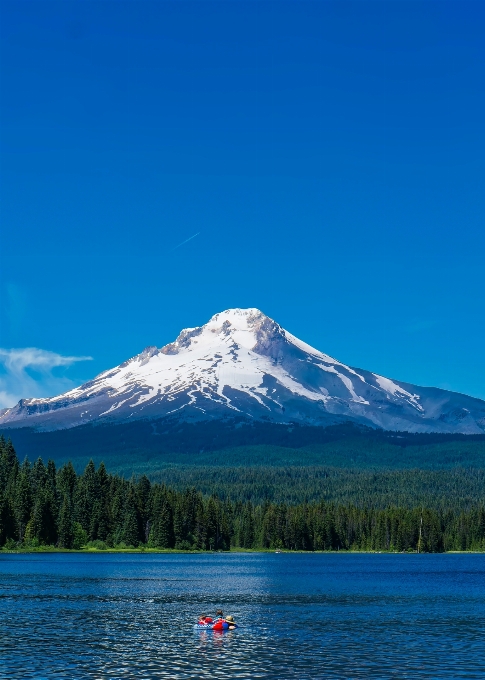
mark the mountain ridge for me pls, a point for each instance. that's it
(242, 363)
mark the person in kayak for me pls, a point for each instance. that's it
(230, 622)
(204, 620)
(220, 623)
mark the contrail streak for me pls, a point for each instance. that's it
(184, 242)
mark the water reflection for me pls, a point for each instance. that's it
(301, 616)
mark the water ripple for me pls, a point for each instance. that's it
(101, 617)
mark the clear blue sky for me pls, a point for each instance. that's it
(330, 156)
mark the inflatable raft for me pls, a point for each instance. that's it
(215, 625)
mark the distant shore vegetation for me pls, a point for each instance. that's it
(45, 508)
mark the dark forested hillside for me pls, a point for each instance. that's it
(43, 505)
(149, 445)
(435, 489)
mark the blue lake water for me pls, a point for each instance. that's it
(301, 616)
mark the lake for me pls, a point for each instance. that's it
(300, 615)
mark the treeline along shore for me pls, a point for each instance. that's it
(44, 506)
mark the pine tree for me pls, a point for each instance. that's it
(9, 465)
(161, 529)
(142, 499)
(101, 509)
(247, 527)
(66, 524)
(86, 495)
(22, 500)
(51, 474)
(66, 480)
(42, 524)
(200, 528)
(10, 452)
(130, 531)
(7, 520)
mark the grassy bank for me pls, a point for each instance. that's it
(47, 549)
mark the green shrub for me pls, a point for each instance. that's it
(97, 545)
(80, 537)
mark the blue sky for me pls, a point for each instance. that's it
(329, 155)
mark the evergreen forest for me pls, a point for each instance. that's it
(144, 446)
(41, 505)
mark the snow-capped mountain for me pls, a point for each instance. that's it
(243, 364)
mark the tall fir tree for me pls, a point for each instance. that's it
(66, 523)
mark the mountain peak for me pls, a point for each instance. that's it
(245, 327)
(238, 317)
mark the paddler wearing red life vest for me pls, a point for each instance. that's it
(219, 622)
(204, 620)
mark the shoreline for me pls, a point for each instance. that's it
(263, 551)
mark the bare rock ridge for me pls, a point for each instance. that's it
(243, 364)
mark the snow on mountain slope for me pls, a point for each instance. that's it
(242, 363)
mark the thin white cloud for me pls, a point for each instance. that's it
(28, 372)
(184, 242)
